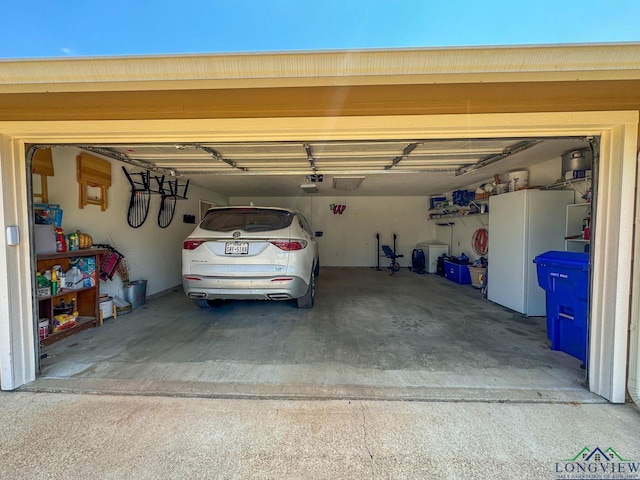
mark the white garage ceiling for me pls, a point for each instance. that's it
(377, 168)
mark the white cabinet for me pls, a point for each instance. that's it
(431, 253)
(577, 215)
(522, 225)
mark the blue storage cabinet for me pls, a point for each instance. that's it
(457, 273)
(565, 278)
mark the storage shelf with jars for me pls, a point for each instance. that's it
(76, 303)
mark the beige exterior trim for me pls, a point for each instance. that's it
(549, 63)
(611, 268)
(319, 128)
(17, 324)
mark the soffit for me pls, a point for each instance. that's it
(293, 69)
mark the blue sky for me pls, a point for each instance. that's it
(118, 27)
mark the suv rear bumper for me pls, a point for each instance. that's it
(233, 288)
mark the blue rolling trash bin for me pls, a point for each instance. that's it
(565, 278)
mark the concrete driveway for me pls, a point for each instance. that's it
(49, 435)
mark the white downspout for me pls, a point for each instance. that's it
(634, 327)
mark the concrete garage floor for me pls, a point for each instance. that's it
(370, 336)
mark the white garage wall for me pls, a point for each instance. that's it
(152, 253)
(349, 239)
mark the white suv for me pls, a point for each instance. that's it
(248, 253)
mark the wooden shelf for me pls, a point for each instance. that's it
(83, 252)
(64, 292)
(82, 324)
(87, 299)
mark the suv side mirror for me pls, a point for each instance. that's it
(319, 234)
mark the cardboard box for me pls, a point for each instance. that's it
(45, 238)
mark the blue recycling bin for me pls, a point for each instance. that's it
(565, 278)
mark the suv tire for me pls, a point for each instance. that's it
(307, 300)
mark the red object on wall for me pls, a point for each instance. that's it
(480, 241)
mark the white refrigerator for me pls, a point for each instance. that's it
(522, 225)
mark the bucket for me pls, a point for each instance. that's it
(477, 275)
(576, 160)
(43, 328)
(518, 180)
(106, 307)
(136, 293)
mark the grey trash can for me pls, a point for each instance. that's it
(136, 293)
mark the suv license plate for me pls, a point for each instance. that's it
(236, 248)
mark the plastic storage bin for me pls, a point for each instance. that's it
(457, 273)
(565, 278)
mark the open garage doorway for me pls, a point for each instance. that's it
(617, 141)
(371, 334)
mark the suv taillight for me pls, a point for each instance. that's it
(190, 244)
(289, 245)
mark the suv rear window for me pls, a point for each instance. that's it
(249, 220)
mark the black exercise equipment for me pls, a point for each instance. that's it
(418, 261)
(394, 266)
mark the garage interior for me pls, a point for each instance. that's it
(370, 334)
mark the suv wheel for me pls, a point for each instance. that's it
(307, 300)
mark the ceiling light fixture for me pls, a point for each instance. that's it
(309, 188)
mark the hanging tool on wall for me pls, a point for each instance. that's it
(140, 198)
(480, 241)
(169, 191)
